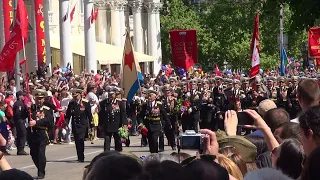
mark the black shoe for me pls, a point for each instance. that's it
(22, 153)
(39, 177)
(161, 150)
(174, 148)
(80, 160)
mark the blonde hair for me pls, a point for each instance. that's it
(230, 166)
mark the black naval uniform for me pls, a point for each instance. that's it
(154, 123)
(170, 106)
(111, 120)
(81, 116)
(38, 139)
(207, 110)
(219, 100)
(20, 113)
(281, 102)
(293, 100)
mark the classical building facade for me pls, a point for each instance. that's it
(91, 46)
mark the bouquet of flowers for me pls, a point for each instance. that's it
(123, 133)
(91, 135)
(185, 106)
(142, 130)
(115, 108)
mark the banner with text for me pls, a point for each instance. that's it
(314, 42)
(41, 50)
(7, 17)
(184, 48)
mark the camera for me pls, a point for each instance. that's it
(191, 140)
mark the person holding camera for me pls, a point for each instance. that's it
(156, 118)
(79, 111)
(40, 119)
(19, 116)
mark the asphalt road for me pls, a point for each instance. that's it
(61, 159)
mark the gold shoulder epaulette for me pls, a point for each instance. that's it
(158, 102)
(45, 107)
(85, 100)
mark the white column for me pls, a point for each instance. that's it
(158, 62)
(102, 25)
(47, 35)
(152, 31)
(108, 26)
(137, 27)
(115, 23)
(66, 55)
(89, 37)
(122, 23)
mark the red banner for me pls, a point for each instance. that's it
(17, 39)
(7, 17)
(184, 48)
(314, 42)
(38, 4)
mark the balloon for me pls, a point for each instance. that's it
(64, 70)
(291, 59)
(163, 68)
(260, 71)
(297, 64)
(181, 71)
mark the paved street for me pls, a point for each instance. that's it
(61, 159)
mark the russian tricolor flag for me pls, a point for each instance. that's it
(131, 74)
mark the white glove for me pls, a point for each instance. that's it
(188, 94)
(190, 110)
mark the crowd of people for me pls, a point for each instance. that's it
(255, 128)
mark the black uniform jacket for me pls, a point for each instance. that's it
(81, 116)
(38, 133)
(112, 115)
(155, 118)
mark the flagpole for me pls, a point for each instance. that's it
(17, 61)
(281, 33)
(33, 12)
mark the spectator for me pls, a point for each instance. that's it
(308, 94)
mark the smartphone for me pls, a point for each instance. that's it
(244, 119)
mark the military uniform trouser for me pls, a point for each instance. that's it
(153, 141)
(170, 136)
(21, 135)
(117, 141)
(38, 154)
(79, 141)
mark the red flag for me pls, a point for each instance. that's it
(314, 42)
(17, 40)
(72, 12)
(66, 16)
(7, 17)
(255, 50)
(184, 48)
(39, 26)
(218, 73)
(94, 14)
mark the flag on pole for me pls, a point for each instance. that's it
(72, 12)
(131, 73)
(283, 61)
(255, 50)
(17, 39)
(94, 15)
(218, 73)
(65, 17)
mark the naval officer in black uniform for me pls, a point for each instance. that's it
(156, 119)
(79, 111)
(40, 118)
(112, 116)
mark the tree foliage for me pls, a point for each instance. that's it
(224, 31)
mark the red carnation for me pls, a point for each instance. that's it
(139, 128)
(129, 126)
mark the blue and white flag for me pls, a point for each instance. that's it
(283, 62)
(131, 74)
